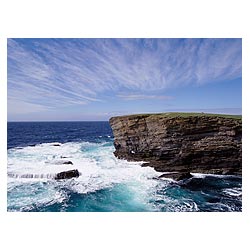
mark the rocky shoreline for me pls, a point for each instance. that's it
(195, 143)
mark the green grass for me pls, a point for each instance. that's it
(178, 114)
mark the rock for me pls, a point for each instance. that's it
(56, 145)
(68, 162)
(67, 174)
(177, 176)
(60, 162)
(193, 143)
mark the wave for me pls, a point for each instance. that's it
(235, 192)
(36, 176)
(98, 167)
(200, 175)
(107, 183)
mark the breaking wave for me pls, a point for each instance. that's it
(106, 183)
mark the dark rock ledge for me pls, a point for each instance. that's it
(182, 143)
(67, 174)
(176, 176)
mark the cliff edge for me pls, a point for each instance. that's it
(181, 142)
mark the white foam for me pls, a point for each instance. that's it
(98, 166)
(31, 172)
(233, 191)
(200, 175)
(25, 197)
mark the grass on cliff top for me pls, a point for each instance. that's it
(179, 114)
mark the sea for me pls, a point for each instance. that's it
(37, 151)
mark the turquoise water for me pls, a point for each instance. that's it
(106, 184)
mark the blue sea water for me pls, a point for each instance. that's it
(37, 150)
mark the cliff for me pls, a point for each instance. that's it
(179, 142)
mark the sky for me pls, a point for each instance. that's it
(95, 79)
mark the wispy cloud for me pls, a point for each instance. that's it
(20, 107)
(54, 73)
(132, 97)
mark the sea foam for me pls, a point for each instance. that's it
(105, 182)
(96, 163)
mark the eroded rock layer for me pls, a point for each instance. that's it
(195, 143)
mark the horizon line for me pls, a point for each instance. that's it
(60, 121)
(200, 111)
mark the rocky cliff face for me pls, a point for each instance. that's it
(202, 144)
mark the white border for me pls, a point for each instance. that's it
(108, 18)
(3, 125)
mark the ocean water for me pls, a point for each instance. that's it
(37, 150)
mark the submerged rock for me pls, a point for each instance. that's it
(177, 176)
(198, 143)
(67, 174)
(60, 162)
(68, 162)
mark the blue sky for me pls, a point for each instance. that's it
(95, 79)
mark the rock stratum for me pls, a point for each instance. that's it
(197, 143)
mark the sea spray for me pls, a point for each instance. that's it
(106, 183)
